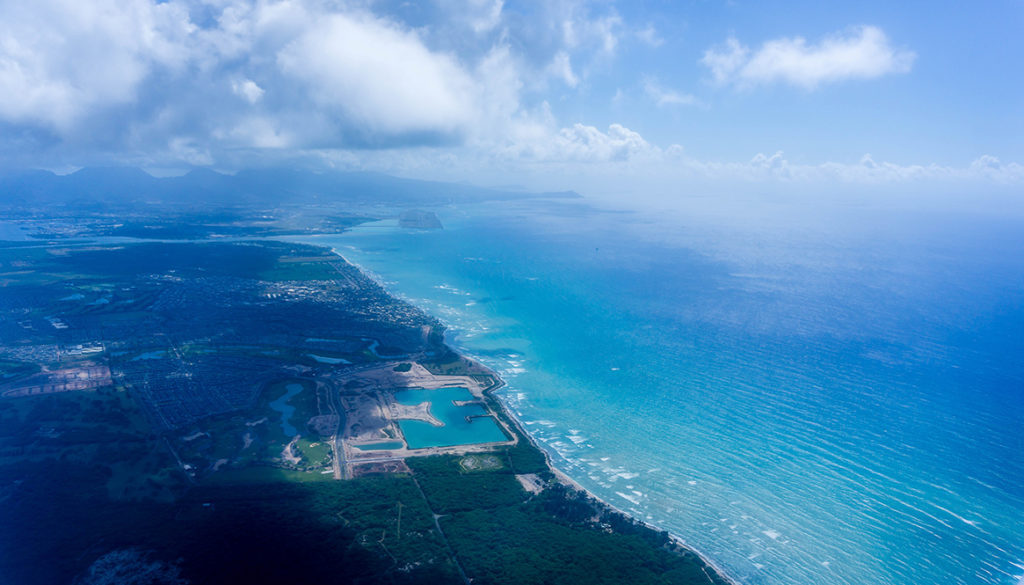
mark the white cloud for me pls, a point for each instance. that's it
(867, 170)
(329, 78)
(256, 132)
(580, 29)
(248, 90)
(485, 15)
(607, 30)
(379, 77)
(499, 85)
(667, 97)
(333, 75)
(991, 167)
(725, 61)
(450, 18)
(859, 53)
(139, 75)
(587, 143)
(60, 60)
(561, 68)
(537, 140)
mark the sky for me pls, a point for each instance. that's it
(553, 94)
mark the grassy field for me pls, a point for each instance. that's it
(251, 443)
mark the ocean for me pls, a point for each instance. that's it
(829, 398)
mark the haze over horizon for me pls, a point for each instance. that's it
(603, 97)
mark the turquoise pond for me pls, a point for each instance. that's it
(456, 430)
(385, 446)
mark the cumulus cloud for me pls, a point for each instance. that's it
(541, 141)
(587, 143)
(61, 60)
(193, 80)
(862, 52)
(143, 76)
(378, 78)
(204, 80)
(229, 82)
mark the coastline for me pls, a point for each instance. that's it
(509, 418)
(566, 480)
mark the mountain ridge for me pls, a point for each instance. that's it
(132, 185)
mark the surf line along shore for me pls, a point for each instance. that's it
(506, 413)
(509, 417)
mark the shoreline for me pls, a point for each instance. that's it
(566, 480)
(506, 413)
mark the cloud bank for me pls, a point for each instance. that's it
(240, 83)
(61, 61)
(866, 171)
(200, 81)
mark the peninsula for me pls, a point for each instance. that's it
(419, 219)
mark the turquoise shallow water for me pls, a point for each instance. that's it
(833, 400)
(457, 429)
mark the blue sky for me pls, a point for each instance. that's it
(547, 94)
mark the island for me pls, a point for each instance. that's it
(258, 411)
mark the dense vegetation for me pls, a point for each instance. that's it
(333, 532)
(59, 520)
(502, 536)
(88, 483)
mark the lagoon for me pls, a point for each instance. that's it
(457, 430)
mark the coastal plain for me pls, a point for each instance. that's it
(263, 412)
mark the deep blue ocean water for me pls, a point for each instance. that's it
(805, 399)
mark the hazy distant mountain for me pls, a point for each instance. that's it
(122, 185)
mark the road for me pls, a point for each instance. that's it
(334, 402)
(444, 538)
